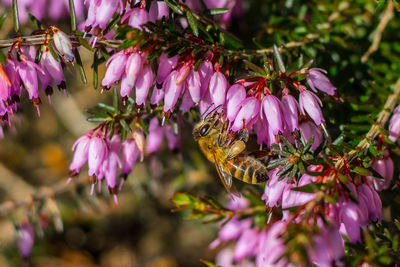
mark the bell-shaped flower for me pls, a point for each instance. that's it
(165, 66)
(81, 154)
(271, 110)
(374, 207)
(205, 72)
(183, 73)
(261, 131)
(218, 87)
(308, 129)
(52, 66)
(25, 240)
(234, 228)
(290, 110)
(125, 90)
(187, 102)
(394, 127)
(385, 168)
(172, 91)
(271, 246)
(130, 153)
(234, 97)
(249, 111)
(111, 165)
(11, 70)
(158, 10)
(155, 136)
(291, 198)
(104, 12)
(173, 139)
(137, 17)
(143, 84)
(310, 103)
(63, 44)
(193, 85)
(5, 85)
(349, 216)
(274, 189)
(317, 80)
(247, 244)
(27, 72)
(157, 96)
(133, 68)
(115, 69)
(98, 151)
(138, 136)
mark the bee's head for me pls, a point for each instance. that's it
(204, 127)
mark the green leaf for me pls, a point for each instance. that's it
(208, 263)
(72, 14)
(115, 99)
(15, 15)
(95, 119)
(174, 7)
(107, 108)
(310, 188)
(80, 66)
(361, 171)
(192, 22)
(95, 67)
(125, 125)
(217, 11)
(279, 60)
(53, 52)
(85, 44)
(35, 21)
(284, 171)
(2, 58)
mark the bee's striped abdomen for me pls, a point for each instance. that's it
(247, 169)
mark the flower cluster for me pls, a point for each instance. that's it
(24, 70)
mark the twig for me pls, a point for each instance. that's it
(386, 17)
(59, 188)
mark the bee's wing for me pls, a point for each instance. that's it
(260, 154)
(226, 179)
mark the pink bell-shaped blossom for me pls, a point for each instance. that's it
(247, 244)
(125, 90)
(115, 69)
(193, 85)
(172, 91)
(218, 87)
(133, 68)
(157, 96)
(63, 44)
(394, 127)
(140, 141)
(374, 207)
(165, 66)
(308, 129)
(53, 67)
(271, 246)
(205, 72)
(274, 189)
(5, 85)
(290, 110)
(249, 110)
(234, 97)
(11, 70)
(112, 163)
(233, 229)
(327, 247)
(130, 153)
(183, 73)
(291, 198)
(25, 240)
(158, 10)
(317, 80)
(104, 12)
(310, 103)
(349, 216)
(385, 168)
(81, 154)
(155, 136)
(261, 131)
(271, 109)
(98, 151)
(143, 84)
(27, 71)
(173, 139)
(137, 17)
(187, 102)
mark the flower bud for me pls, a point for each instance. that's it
(271, 108)
(349, 216)
(133, 68)
(104, 12)
(172, 91)
(143, 85)
(165, 67)
(115, 69)
(218, 87)
(235, 96)
(311, 103)
(290, 110)
(205, 72)
(25, 240)
(394, 127)
(193, 84)
(137, 17)
(97, 154)
(52, 66)
(81, 147)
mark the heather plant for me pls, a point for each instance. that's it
(308, 89)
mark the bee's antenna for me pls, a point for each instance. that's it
(207, 109)
(217, 107)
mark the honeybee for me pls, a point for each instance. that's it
(228, 155)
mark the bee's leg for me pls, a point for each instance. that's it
(235, 149)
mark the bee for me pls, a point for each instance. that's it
(229, 156)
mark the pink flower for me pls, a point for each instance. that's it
(310, 103)
(385, 168)
(247, 244)
(233, 229)
(52, 66)
(97, 154)
(271, 109)
(138, 136)
(327, 247)
(349, 216)
(205, 72)
(155, 136)
(249, 110)
(63, 44)
(308, 129)
(318, 80)
(133, 68)
(104, 11)
(187, 102)
(165, 67)
(193, 84)
(130, 153)
(174, 141)
(394, 127)
(81, 147)
(290, 110)
(27, 72)
(5, 85)
(271, 246)
(235, 96)
(172, 91)
(218, 87)
(291, 198)
(115, 68)
(143, 84)
(158, 10)
(137, 17)
(157, 96)
(25, 240)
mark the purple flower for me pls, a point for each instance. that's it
(249, 110)
(271, 109)
(187, 102)
(234, 228)
(165, 67)
(318, 80)
(271, 246)
(327, 247)
(174, 142)
(310, 103)
(133, 68)
(247, 244)
(157, 96)
(137, 17)
(27, 72)
(81, 147)
(205, 72)
(274, 189)
(140, 141)
(5, 85)
(130, 153)
(158, 10)
(349, 216)
(193, 84)
(115, 68)
(143, 85)
(385, 168)
(183, 73)
(290, 110)
(104, 11)
(394, 127)
(373, 202)
(111, 163)
(261, 130)
(25, 240)
(52, 66)
(98, 151)
(308, 129)
(172, 91)
(218, 87)
(235, 96)
(155, 136)
(291, 198)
